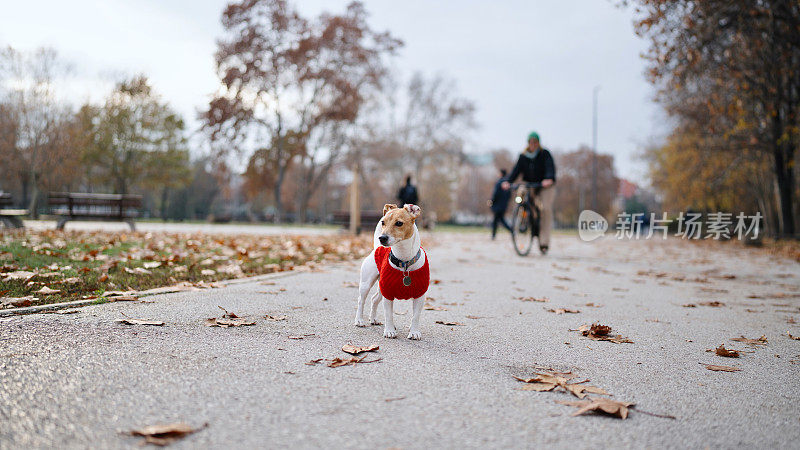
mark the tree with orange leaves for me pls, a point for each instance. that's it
(284, 77)
(729, 73)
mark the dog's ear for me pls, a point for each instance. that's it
(414, 210)
(388, 207)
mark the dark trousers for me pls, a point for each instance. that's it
(499, 218)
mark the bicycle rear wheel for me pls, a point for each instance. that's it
(522, 229)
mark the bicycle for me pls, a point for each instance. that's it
(525, 219)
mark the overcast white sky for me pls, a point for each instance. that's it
(528, 65)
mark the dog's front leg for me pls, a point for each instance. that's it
(414, 333)
(389, 330)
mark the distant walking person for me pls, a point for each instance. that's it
(536, 165)
(408, 193)
(499, 204)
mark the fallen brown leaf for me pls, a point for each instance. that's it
(600, 404)
(455, 324)
(131, 321)
(717, 368)
(752, 342)
(689, 305)
(728, 353)
(19, 302)
(549, 381)
(562, 310)
(534, 299)
(796, 338)
(274, 318)
(339, 362)
(227, 315)
(301, 336)
(353, 350)
(227, 323)
(714, 304)
(430, 307)
(162, 435)
(47, 291)
(599, 332)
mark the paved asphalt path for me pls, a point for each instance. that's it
(75, 381)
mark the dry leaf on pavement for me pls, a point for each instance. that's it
(227, 320)
(716, 368)
(353, 350)
(131, 321)
(302, 336)
(534, 299)
(714, 304)
(162, 435)
(752, 342)
(226, 323)
(563, 310)
(455, 324)
(275, 318)
(726, 352)
(339, 362)
(430, 307)
(796, 338)
(549, 381)
(600, 404)
(599, 332)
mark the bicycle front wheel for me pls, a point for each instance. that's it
(522, 230)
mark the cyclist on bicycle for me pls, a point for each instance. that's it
(536, 165)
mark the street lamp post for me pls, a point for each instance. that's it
(594, 147)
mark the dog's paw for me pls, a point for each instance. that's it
(415, 335)
(390, 333)
(375, 322)
(360, 322)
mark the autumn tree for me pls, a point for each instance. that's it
(728, 72)
(36, 126)
(424, 136)
(135, 139)
(693, 178)
(287, 82)
(574, 191)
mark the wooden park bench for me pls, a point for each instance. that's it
(12, 218)
(368, 219)
(81, 206)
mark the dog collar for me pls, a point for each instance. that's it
(404, 264)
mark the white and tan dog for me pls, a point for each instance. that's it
(400, 264)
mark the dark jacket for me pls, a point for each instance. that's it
(500, 197)
(408, 194)
(536, 169)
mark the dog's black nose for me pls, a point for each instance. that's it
(383, 239)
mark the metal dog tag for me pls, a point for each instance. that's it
(406, 280)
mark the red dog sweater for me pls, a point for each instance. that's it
(391, 279)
